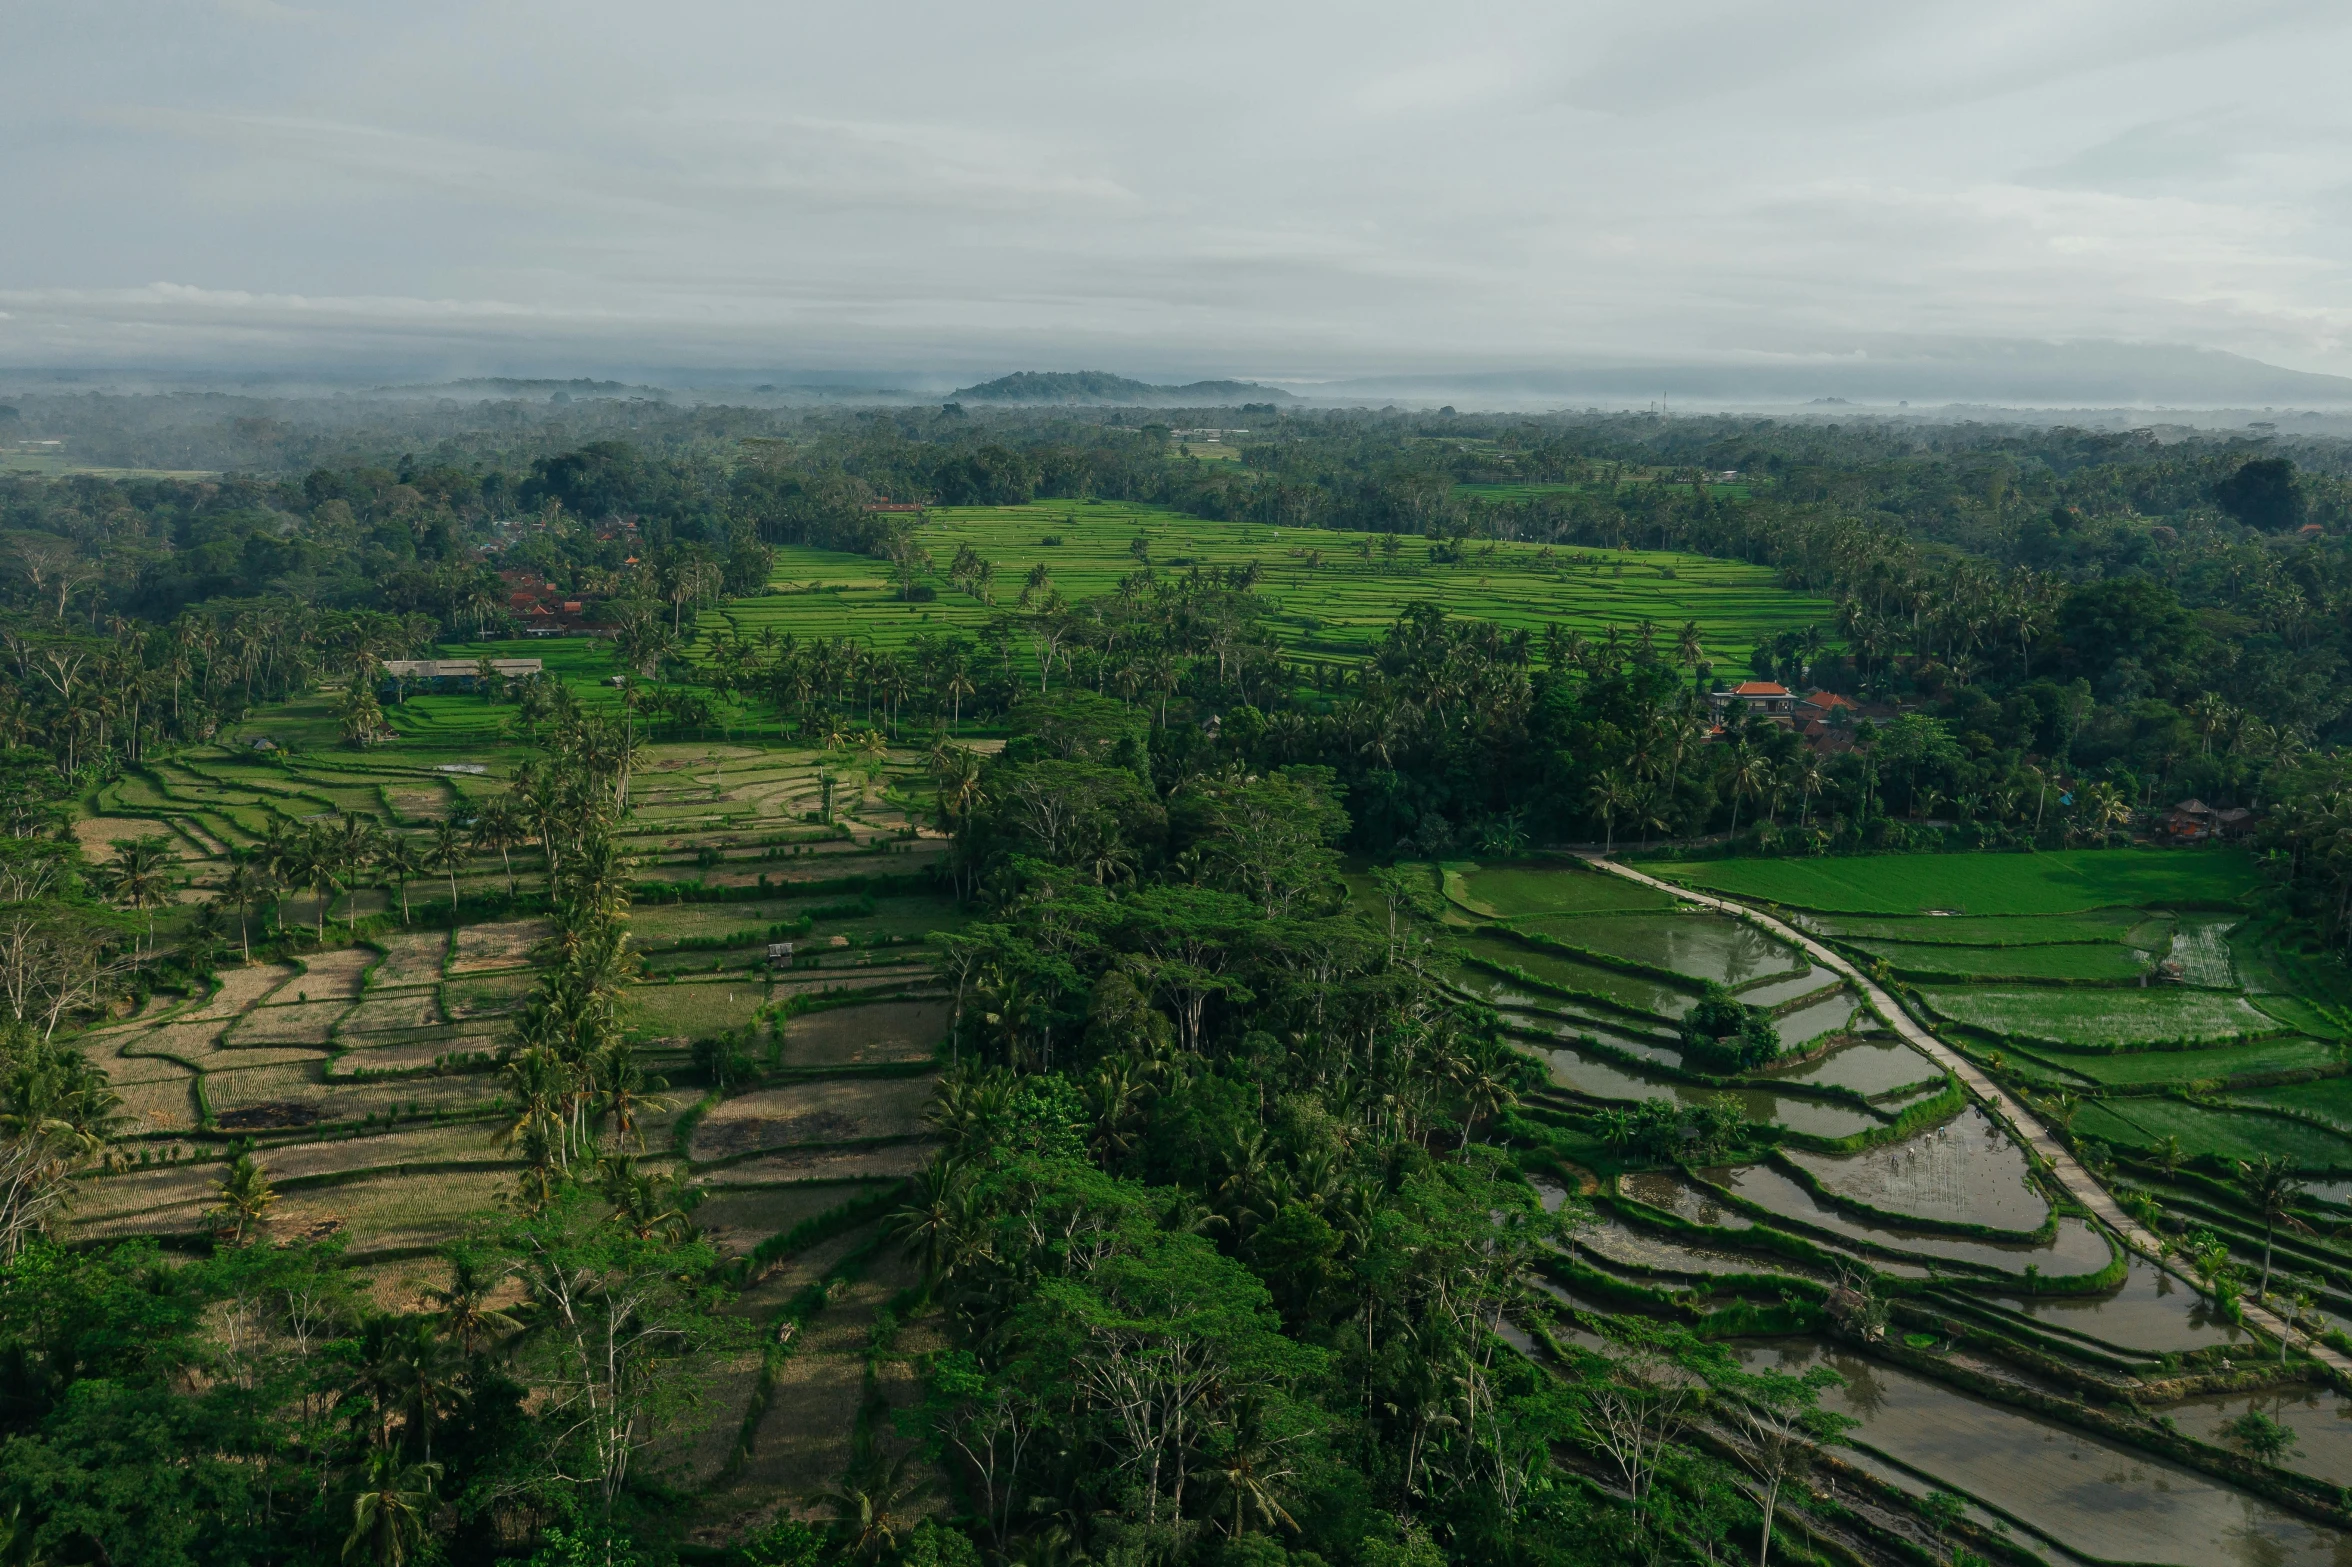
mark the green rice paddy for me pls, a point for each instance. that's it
(2102, 1019)
(2061, 882)
(1326, 599)
(2082, 962)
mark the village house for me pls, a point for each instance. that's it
(402, 675)
(2193, 821)
(1766, 697)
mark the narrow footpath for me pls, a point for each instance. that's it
(1996, 1100)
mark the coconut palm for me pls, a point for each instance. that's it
(245, 1197)
(463, 1307)
(390, 1514)
(2272, 1186)
(140, 877)
(448, 852)
(246, 886)
(398, 858)
(499, 829)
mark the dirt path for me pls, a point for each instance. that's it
(1996, 1100)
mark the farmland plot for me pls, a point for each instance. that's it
(411, 957)
(883, 1031)
(2061, 882)
(2104, 1019)
(503, 946)
(823, 1112)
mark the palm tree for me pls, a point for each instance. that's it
(246, 886)
(1609, 797)
(1750, 767)
(390, 1513)
(2272, 1185)
(464, 1308)
(499, 829)
(246, 1197)
(958, 686)
(398, 858)
(449, 853)
(141, 875)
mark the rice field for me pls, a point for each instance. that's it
(2103, 1019)
(1557, 887)
(2081, 962)
(1331, 594)
(2228, 1134)
(2128, 1069)
(2060, 882)
(696, 1009)
(820, 1112)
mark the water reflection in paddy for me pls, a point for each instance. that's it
(2076, 1249)
(1874, 1066)
(1704, 946)
(1965, 1171)
(2093, 1497)
(2320, 1418)
(1809, 1023)
(1586, 1074)
(2153, 1314)
(1672, 1194)
(1625, 1247)
(1773, 992)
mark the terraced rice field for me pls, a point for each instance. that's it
(2059, 882)
(2103, 1019)
(1328, 600)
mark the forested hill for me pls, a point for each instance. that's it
(1102, 387)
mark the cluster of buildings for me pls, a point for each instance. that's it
(1824, 719)
(542, 608)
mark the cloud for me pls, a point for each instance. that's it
(1217, 186)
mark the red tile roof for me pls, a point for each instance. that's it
(1759, 688)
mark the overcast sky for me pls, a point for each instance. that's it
(1172, 189)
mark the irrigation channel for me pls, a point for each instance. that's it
(2038, 1359)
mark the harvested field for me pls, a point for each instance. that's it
(739, 1219)
(331, 975)
(160, 1104)
(300, 1022)
(388, 1212)
(411, 957)
(406, 1055)
(820, 1164)
(501, 946)
(813, 1113)
(485, 997)
(244, 987)
(414, 1006)
(881, 1031)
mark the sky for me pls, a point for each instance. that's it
(1296, 191)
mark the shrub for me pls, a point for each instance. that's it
(1722, 1034)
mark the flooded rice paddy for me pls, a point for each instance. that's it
(2077, 1248)
(1778, 992)
(2153, 1313)
(1966, 1171)
(1586, 1074)
(1709, 947)
(1870, 1068)
(2092, 1497)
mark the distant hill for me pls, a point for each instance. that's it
(1100, 386)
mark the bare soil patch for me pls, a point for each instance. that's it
(813, 1113)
